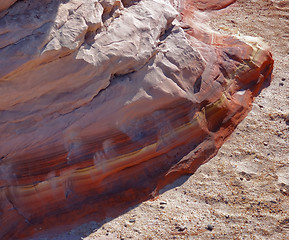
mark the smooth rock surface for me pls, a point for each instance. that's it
(4, 4)
(103, 103)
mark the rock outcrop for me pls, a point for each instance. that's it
(102, 103)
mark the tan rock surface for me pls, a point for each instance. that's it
(4, 4)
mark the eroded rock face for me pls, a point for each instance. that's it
(102, 103)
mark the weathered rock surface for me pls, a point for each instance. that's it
(105, 102)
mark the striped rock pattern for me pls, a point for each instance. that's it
(103, 103)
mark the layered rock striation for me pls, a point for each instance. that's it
(102, 103)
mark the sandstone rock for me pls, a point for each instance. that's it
(6, 4)
(105, 102)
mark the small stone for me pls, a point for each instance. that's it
(281, 84)
(162, 207)
(287, 120)
(132, 221)
(181, 228)
(210, 227)
(265, 143)
(163, 202)
(283, 79)
(136, 230)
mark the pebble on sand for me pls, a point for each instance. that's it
(210, 227)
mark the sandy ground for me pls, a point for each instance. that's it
(243, 192)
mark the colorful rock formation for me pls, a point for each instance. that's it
(103, 103)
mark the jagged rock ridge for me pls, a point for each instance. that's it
(105, 102)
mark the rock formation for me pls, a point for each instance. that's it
(102, 103)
